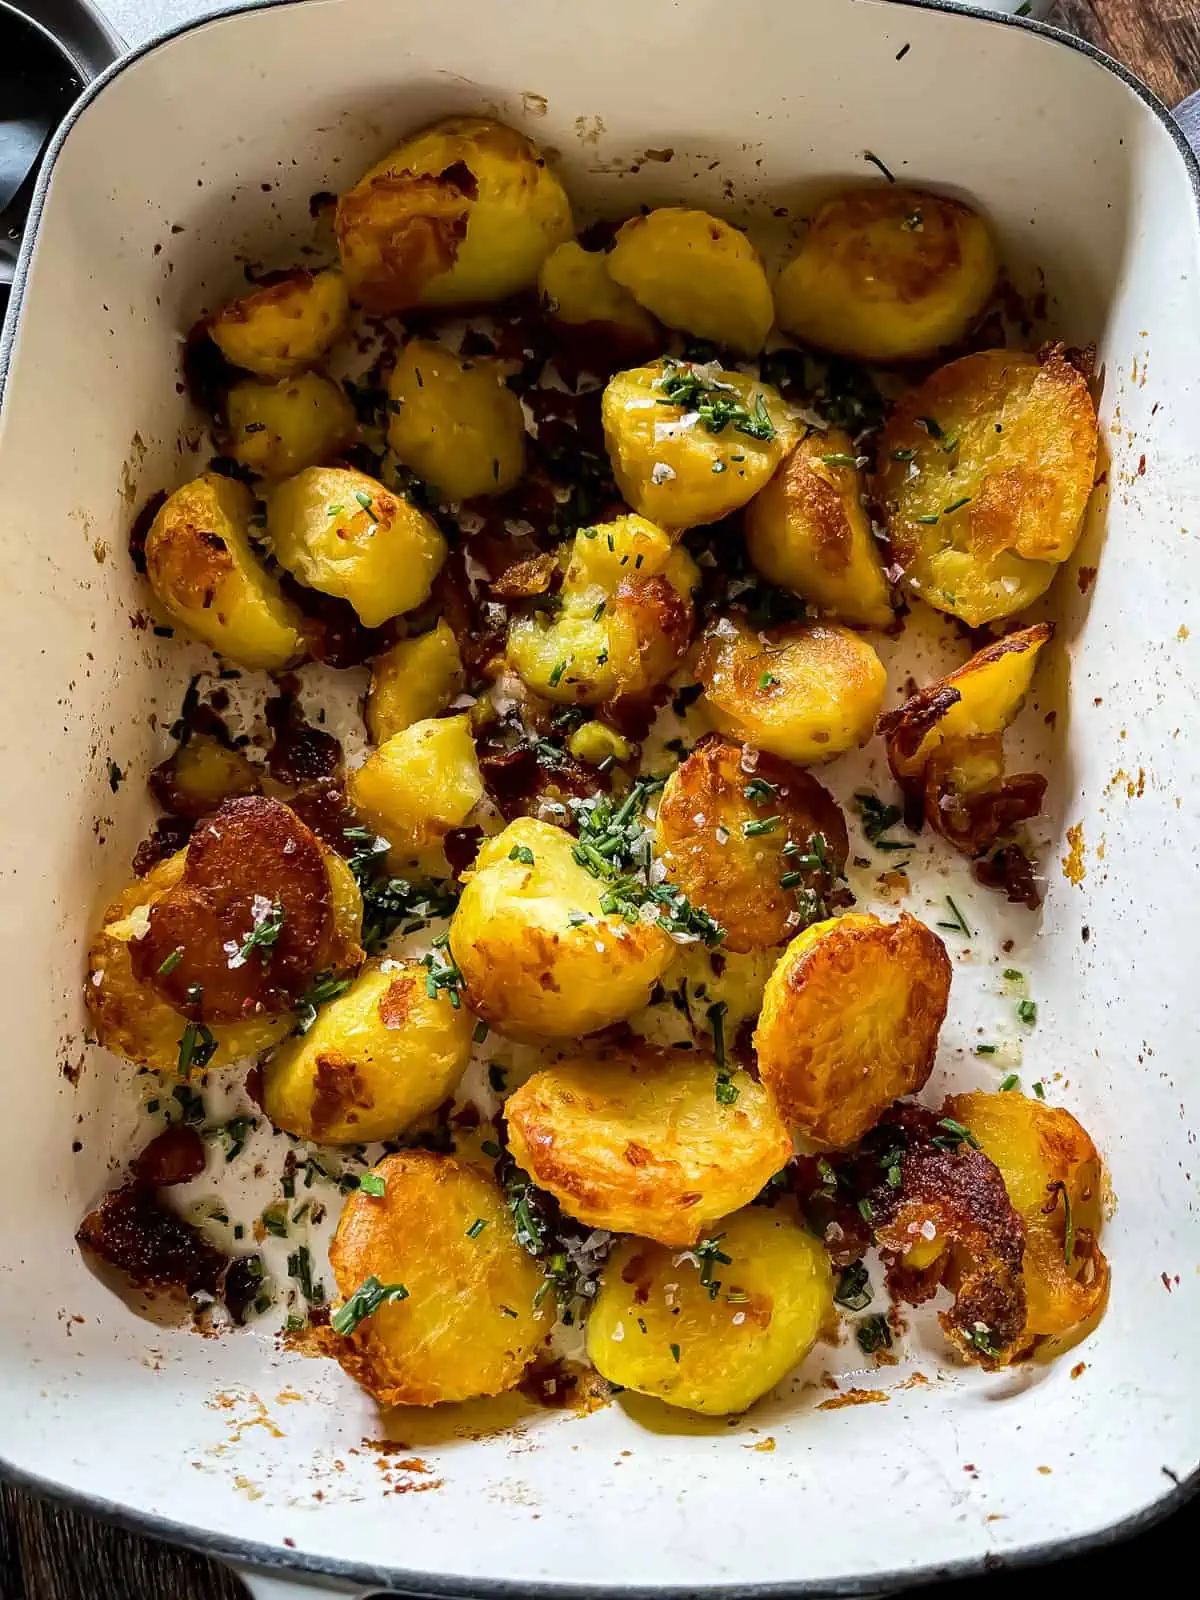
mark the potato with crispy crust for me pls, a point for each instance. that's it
(850, 1022)
(200, 774)
(639, 1142)
(691, 442)
(207, 578)
(985, 474)
(461, 214)
(695, 273)
(592, 314)
(276, 429)
(712, 1331)
(808, 532)
(416, 679)
(752, 840)
(455, 422)
(285, 323)
(804, 692)
(887, 274)
(416, 787)
(471, 1318)
(539, 955)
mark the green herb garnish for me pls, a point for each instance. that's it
(873, 1333)
(374, 1184)
(324, 987)
(264, 935)
(476, 1227)
(196, 1047)
(854, 1287)
(442, 972)
(959, 925)
(363, 1303)
(521, 853)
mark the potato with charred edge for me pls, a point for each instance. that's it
(454, 422)
(204, 573)
(887, 274)
(593, 316)
(416, 787)
(850, 1022)
(803, 692)
(199, 775)
(808, 532)
(752, 840)
(539, 956)
(414, 680)
(640, 1142)
(985, 472)
(461, 214)
(284, 323)
(276, 429)
(440, 1301)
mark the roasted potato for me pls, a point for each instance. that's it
(808, 532)
(207, 578)
(339, 531)
(651, 1142)
(850, 1022)
(455, 422)
(277, 429)
(284, 323)
(696, 273)
(378, 1057)
(416, 679)
(887, 274)
(689, 442)
(471, 1318)
(985, 474)
(462, 213)
(201, 773)
(804, 692)
(539, 956)
(753, 841)
(591, 311)
(712, 1330)
(416, 787)
(623, 620)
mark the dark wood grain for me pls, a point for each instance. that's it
(1159, 39)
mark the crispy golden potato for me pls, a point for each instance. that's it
(657, 1326)
(850, 1022)
(753, 841)
(539, 956)
(595, 742)
(462, 213)
(808, 532)
(472, 1318)
(416, 787)
(676, 433)
(985, 474)
(641, 1142)
(198, 775)
(591, 311)
(284, 324)
(696, 273)
(623, 621)
(1054, 1178)
(455, 422)
(339, 531)
(207, 578)
(277, 429)
(377, 1059)
(887, 274)
(416, 679)
(805, 692)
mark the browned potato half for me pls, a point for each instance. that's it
(887, 274)
(198, 775)
(277, 429)
(593, 315)
(850, 1022)
(284, 323)
(808, 532)
(696, 273)
(461, 214)
(416, 679)
(470, 1318)
(455, 422)
(753, 841)
(416, 787)
(985, 474)
(804, 692)
(644, 1143)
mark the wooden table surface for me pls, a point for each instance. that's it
(50, 1554)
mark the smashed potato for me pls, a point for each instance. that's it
(804, 692)
(623, 620)
(712, 1330)
(642, 1143)
(696, 273)
(416, 679)
(455, 422)
(887, 274)
(591, 310)
(850, 1022)
(276, 429)
(470, 1319)
(201, 773)
(416, 787)
(808, 532)
(460, 214)
(985, 474)
(538, 955)
(343, 533)
(691, 442)
(207, 578)
(284, 324)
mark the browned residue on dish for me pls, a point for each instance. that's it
(1078, 1370)
(1074, 868)
(854, 1397)
(562, 1385)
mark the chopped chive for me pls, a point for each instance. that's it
(751, 830)
(767, 680)
(374, 1184)
(1027, 1011)
(559, 668)
(476, 1227)
(986, 1049)
(481, 1032)
(928, 519)
(956, 505)
(1010, 1082)
(171, 962)
(959, 925)
(521, 853)
(1039, 1089)
(675, 1352)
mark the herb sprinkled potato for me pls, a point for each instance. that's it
(416, 787)
(416, 679)
(276, 429)
(658, 1142)
(438, 1300)
(283, 324)
(590, 309)
(850, 1022)
(712, 1329)
(455, 422)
